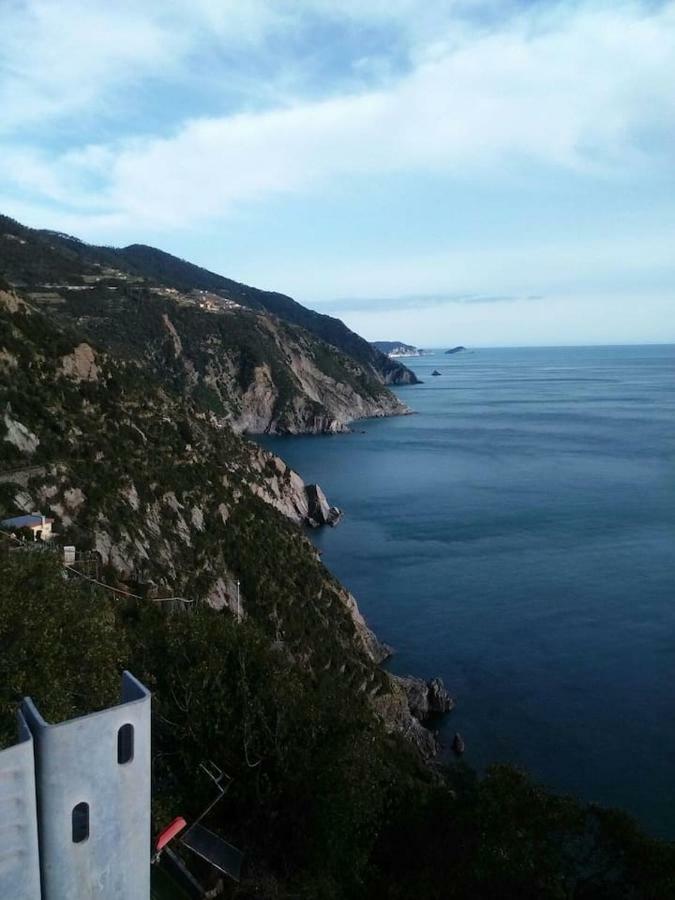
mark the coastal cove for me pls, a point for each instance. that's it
(515, 537)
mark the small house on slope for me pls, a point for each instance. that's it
(37, 524)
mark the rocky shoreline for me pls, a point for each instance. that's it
(412, 703)
(411, 706)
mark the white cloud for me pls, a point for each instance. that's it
(77, 57)
(577, 91)
(60, 58)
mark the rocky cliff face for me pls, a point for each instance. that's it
(317, 402)
(147, 371)
(281, 487)
(259, 361)
(410, 708)
(174, 502)
(426, 699)
(157, 265)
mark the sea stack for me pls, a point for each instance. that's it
(320, 512)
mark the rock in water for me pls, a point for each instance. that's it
(319, 510)
(436, 372)
(439, 699)
(458, 744)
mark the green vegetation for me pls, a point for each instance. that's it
(170, 270)
(325, 804)
(136, 461)
(144, 459)
(125, 301)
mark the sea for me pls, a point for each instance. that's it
(515, 535)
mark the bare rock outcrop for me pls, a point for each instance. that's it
(426, 699)
(173, 335)
(284, 489)
(319, 511)
(80, 365)
(375, 649)
(23, 438)
(394, 710)
(410, 705)
(258, 402)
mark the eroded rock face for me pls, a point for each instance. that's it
(316, 402)
(11, 302)
(22, 438)
(173, 336)
(374, 648)
(258, 402)
(319, 511)
(80, 365)
(410, 706)
(440, 700)
(284, 489)
(280, 486)
(426, 698)
(226, 593)
(394, 710)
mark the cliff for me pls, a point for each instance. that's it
(172, 499)
(155, 264)
(257, 359)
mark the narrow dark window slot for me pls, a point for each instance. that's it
(80, 822)
(125, 744)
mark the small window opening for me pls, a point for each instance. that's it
(125, 744)
(80, 823)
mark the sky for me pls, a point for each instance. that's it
(477, 172)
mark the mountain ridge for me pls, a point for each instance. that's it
(245, 353)
(150, 260)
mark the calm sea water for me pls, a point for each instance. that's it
(517, 537)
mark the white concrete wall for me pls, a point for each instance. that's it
(19, 857)
(76, 761)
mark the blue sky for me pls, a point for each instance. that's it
(482, 172)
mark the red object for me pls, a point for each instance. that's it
(170, 832)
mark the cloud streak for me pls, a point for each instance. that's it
(417, 302)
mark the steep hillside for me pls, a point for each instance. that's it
(259, 359)
(173, 502)
(278, 682)
(176, 272)
(131, 467)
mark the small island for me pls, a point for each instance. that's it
(454, 350)
(436, 372)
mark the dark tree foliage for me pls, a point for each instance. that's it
(323, 802)
(56, 644)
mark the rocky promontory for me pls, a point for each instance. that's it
(410, 705)
(426, 698)
(284, 489)
(395, 349)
